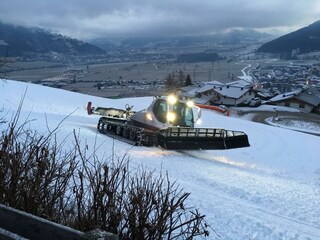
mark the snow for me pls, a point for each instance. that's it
(270, 190)
(295, 124)
(265, 108)
(232, 91)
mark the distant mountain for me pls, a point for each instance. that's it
(19, 41)
(228, 38)
(306, 39)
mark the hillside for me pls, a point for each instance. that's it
(307, 39)
(269, 190)
(21, 41)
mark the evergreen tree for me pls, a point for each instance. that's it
(188, 80)
(169, 81)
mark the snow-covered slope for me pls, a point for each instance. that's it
(270, 190)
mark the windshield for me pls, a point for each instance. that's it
(183, 113)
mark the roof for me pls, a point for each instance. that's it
(188, 88)
(203, 99)
(215, 82)
(189, 91)
(209, 86)
(240, 83)
(309, 95)
(232, 92)
(285, 96)
(205, 88)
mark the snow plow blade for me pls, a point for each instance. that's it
(175, 138)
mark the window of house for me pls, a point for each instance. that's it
(302, 105)
(287, 104)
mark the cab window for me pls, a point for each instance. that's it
(189, 117)
(184, 115)
(160, 110)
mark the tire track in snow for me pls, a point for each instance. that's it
(225, 196)
(254, 212)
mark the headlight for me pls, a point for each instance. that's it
(149, 116)
(171, 116)
(190, 104)
(171, 99)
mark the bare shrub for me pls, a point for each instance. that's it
(156, 208)
(34, 171)
(135, 204)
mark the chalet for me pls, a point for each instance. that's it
(216, 93)
(306, 99)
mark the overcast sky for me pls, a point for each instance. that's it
(87, 19)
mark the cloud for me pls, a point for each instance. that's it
(90, 19)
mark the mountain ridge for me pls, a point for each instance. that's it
(305, 40)
(227, 38)
(21, 41)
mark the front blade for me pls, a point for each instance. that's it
(175, 138)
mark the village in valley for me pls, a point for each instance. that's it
(243, 83)
(295, 86)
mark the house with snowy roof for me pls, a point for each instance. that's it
(216, 93)
(306, 99)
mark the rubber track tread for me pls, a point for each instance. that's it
(143, 137)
